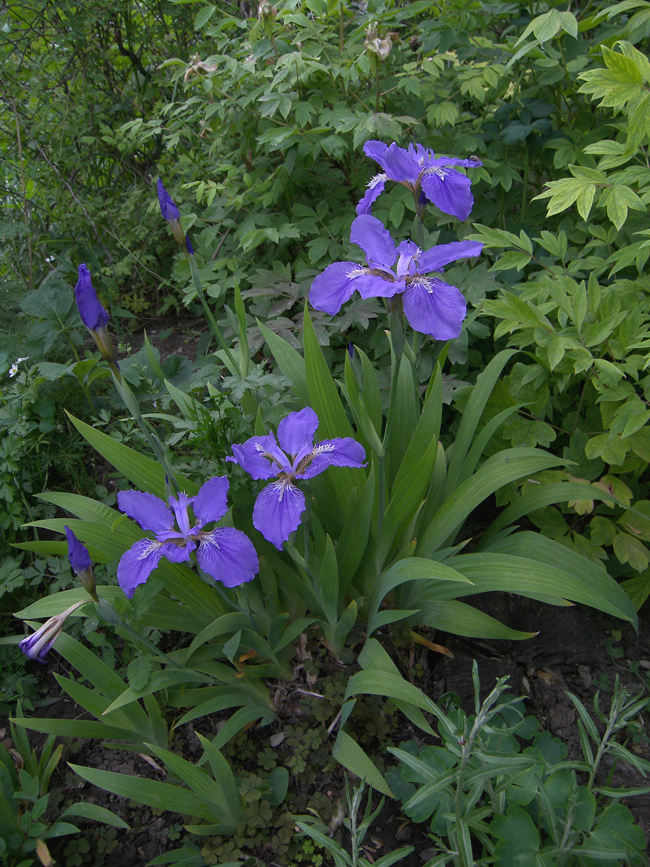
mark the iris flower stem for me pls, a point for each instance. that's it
(131, 403)
(208, 313)
(418, 222)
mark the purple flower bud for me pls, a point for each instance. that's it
(171, 213)
(93, 315)
(188, 246)
(81, 563)
(38, 645)
(167, 206)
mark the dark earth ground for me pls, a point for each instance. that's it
(577, 649)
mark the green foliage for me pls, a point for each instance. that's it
(24, 797)
(483, 794)
(357, 828)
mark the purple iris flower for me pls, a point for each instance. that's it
(226, 554)
(279, 507)
(430, 305)
(93, 314)
(38, 644)
(418, 169)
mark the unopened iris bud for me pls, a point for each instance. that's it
(93, 315)
(81, 563)
(38, 645)
(188, 246)
(170, 213)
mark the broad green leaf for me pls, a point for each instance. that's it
(354, 536)
(532, 565)
(348, 752)
(408, 492)
(402, 418)
(373, 657)
(217, 807)
(290, 362)
(145, 474)
(95, 813)
(472, 414)
(461, 619)
(160, 796)
(545, 495)
(505, 467)
(157, 681)
(410, 569)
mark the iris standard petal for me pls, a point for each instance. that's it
(277, 511)
(435, 308)
(137, 564)
(331, 289)
(210, 504)
(181, 505)
(296, 430)
(91, 310)
(375, 188)
(338, 452)
(375, 240)
(228, 555)
(400, 165)
(260, 457)
(376, 150)
(436, 258)
(148, 510)
(449, 190)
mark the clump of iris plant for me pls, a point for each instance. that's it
(430, 305)
(279, 507)
(224, 553)
(94, 316)
(430, 178)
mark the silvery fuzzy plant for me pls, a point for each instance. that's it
(489, 799)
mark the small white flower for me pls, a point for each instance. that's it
(13, 370)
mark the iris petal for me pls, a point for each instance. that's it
(450, 191)
(277, 511)
(339, 452)
(375, 240)
(210, 504)
(137, 564)
(375, 188)
(296, 430)
(438, 311)
(149, 511)
(331, 289)
(374, 286)
(376, 150)
(436, 258)
(400, 165)
(260, 457)
(228, 555)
